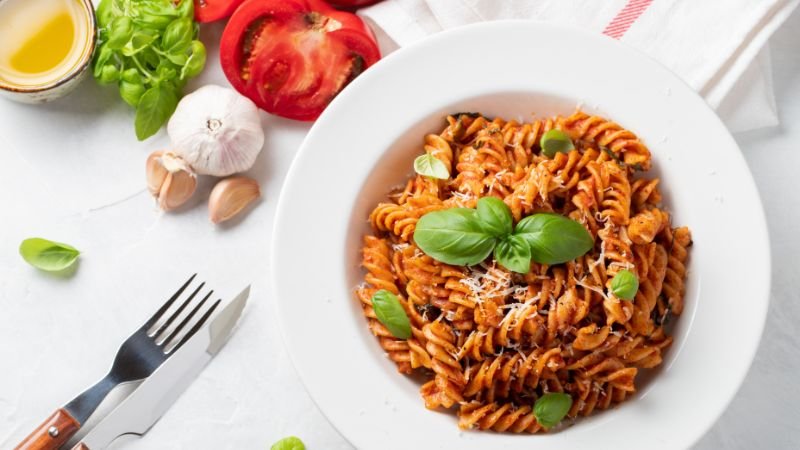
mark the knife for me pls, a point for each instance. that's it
(145, 405)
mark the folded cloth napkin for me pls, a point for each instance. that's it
(718, 47)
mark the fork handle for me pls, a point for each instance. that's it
(52, 433)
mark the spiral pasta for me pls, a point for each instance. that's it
(490, 342)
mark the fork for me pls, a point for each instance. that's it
(137, 358)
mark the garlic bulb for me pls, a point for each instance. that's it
(230, 196)
(216, 131)
(169, 179)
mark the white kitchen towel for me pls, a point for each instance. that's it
(717, 46)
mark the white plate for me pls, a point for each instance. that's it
(365, 142)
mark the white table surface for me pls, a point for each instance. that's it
(73, 171)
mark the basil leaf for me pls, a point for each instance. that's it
(108, 74)
(131, 76)
(140, 40)
(289, 443)
(391, 313)
(514, 253)
(495, 216)
(555, 141)
(553, 238)
(166, 71)
(454, 236)
(431, 166)
(131, 92)
(196, 61)
(625, 284)
(551, 408)
(177, 38)
(48, 255)
(120, 33)
(185, 8)
(101, 59)
(105, 13)
(154, 108)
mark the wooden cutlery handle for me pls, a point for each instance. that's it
(52, 433)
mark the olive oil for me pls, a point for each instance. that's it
(47, 48)
(40, 40)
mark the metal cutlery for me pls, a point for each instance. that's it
(144, 406)
(155, 342)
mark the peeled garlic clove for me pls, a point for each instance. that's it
(156, 173)
(230, 196)
(170, 180)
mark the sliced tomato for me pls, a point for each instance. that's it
(211, 10)
(292, 57)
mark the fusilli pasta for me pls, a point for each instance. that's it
(490, 341)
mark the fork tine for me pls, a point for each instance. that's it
(176, 313)
(196, 326)
(151, 321)
(166, 342)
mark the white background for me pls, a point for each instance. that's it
(73, 171)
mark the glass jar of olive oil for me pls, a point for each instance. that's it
(45, 47)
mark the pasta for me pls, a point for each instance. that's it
(489, 342)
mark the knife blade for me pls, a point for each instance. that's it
(145, 405)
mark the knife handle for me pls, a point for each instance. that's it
(52, 433)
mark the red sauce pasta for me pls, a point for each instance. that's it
(489, 341)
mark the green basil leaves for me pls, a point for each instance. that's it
(625, 284)
(454, 236)
(554, 239)
(48, 255)
(555, 141)
(289, 443)
(431, 166)
(391, 314)
(150, 49)
(551, 408)
(462, 236)
(155, 106)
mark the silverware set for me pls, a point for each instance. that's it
(161, 358)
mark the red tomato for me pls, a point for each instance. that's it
(350, 4)
(211, 10)
(292, 57)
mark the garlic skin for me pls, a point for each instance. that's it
(169, 179)
(216, 131)
(230, 196)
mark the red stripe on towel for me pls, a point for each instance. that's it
(626, 17)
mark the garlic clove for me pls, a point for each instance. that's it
(156, 173)
(169, 179)
(178, 187)
(230, 196)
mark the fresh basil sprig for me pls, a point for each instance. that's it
(462, 236)
(48, 255)
(625, 284)
(431, 166)
(289, 443)
(391, 314)
(551, 408)
(150, 49)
